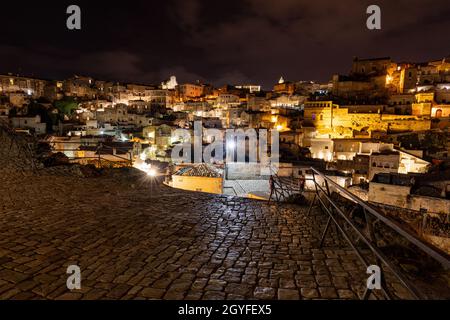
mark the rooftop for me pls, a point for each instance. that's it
(199, 170)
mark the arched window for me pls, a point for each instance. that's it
(438, 113)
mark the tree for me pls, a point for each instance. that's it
(66, 105)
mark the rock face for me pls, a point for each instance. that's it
(14, 153)
(133, 237)
(56, 159)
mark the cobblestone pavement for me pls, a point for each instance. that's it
(134, 239)
(138, 240)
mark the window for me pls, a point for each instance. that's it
(313, 116)
(374, 164)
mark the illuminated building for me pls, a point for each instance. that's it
(337, 122)
(250, 87)
(189, 90)
(29, 86)
(170, 84)
(284, 87)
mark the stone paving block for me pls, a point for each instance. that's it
(152, 293)
(264, 293)
(309, 293)
(288, 294)
(153, 242)
(328, 292)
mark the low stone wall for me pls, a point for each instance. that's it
(244, 171)
(433, 228)
(400, 196)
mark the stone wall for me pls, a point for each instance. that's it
(400, 196)
(389, 194)
(202, 184)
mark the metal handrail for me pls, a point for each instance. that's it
(99, 145)
(380, 257)
(427, 248)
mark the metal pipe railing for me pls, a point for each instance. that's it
(99, 148)
(427, 248)
(370, 212)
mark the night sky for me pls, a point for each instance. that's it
(245, 41)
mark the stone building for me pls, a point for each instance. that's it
(227, 100)
(29, 123)
(322, 149)
(189, 90)
(170, 84)
(370, 67)
(31, 87)
(383, 162)
(80, 86)
(258, 103)
(283, 86)
(337, 122)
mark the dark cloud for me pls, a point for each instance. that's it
(232, 41)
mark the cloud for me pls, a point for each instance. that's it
(110, 64)
(187, 13)
(233, 77)
(251, 40)
(312, 40)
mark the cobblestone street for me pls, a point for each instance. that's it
(134, 239)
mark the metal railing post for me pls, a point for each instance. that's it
(368, 235)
